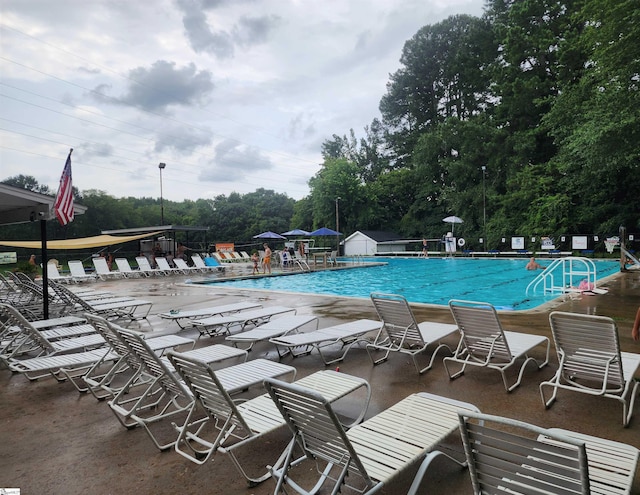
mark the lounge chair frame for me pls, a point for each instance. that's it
(284, 325)
(370, 455)
(236, 424)
(484, 343)
(120, 309)
(400, 332)
(590, 361)
(164, 396)
(196, 314)
(125, 269)
(30, 340)
(220, 325)
(345, 334)
(104, 384)
(510, 456)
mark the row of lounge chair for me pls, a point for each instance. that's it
(503, 454)
(232, 256)
(77, 272)
(587, 346)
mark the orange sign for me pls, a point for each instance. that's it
(225, 247)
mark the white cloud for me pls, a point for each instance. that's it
(232, 94)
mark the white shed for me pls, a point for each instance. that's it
(372, 242)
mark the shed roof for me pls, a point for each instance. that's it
(380, 235)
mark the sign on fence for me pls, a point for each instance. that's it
(8, 258)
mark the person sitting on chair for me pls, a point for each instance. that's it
(635, 331)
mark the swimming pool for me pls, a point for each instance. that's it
(501, 282)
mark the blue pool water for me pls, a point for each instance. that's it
(501, 282)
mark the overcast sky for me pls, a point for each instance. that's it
(232, 95)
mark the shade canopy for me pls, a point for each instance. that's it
(296, 232)
(81, 243)
(268, 235)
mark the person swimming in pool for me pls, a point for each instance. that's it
(534, 265)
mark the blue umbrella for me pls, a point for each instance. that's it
(268, 235)
(296, 232)
(324, 231)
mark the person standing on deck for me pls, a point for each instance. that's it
(266, 261)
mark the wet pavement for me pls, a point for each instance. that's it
(57, 441)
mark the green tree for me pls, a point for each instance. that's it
(444, 74)
(338, 178)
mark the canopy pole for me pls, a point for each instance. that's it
(45, 278)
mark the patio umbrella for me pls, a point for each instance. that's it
(453, 220)
(324, 231)
(295, 232)
(268, 235)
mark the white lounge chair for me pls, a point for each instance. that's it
(78, 273)
(367, 457)
(16, 341)
(119, 308)
(62, 367)
(199, 263)
(103, 271)
(301, 262)
(400, 332)
(510, 456)
(54, 274)
(220, 258)
(275, 328)
(165, 396)
(217, 325)
(105, 383)
(239, 424)
(125, 269)
(145, 267)
(194, 314)
(345, 334)
(182, 265)
(484, 343)
(163, 266)
(235, 257)
(590, 361)
(32, 342)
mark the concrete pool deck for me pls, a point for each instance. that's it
(57, 441)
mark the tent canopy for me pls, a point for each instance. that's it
(82, 243)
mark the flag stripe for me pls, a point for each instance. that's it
(63, 207)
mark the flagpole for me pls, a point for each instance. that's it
(63, 210)
(45, 277)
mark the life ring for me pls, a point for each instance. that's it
(461, 242)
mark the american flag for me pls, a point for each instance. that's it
(63, 207)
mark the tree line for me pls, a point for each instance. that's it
(524, 121)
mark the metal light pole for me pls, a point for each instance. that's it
(338, 225)
(484, 207)
(161, 166)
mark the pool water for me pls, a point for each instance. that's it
(501, 282)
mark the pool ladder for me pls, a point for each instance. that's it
(358, 259)
(564, 274)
